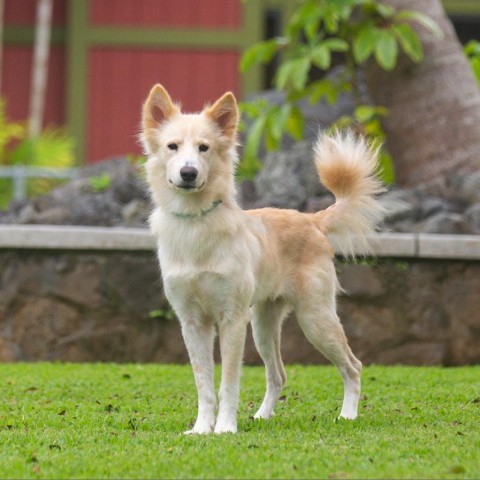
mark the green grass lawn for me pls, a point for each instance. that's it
(126, 421)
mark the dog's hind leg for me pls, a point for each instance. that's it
(323, 329)
(266, 328)
(199, 338)
(232, 342)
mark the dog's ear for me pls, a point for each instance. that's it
(224, 113)
(157, 109)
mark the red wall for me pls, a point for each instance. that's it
(119, 78)
(17, 65)
(224, 14)
(23, 12)
(16, 77)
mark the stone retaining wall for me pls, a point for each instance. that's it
(94, 294)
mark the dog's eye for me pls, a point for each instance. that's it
(172, 146)
(203, 148)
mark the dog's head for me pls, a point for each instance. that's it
(188, 154)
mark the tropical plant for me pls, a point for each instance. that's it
(356, 30)
(472, 51)
(100, 183)
(52, 148)
(9, 132)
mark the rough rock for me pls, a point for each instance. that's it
(84, 307)
(449, 223)
(467, 186)
(472, 215)
(121, 200)
(288, 179)
(109, 306)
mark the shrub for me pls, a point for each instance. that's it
(358, 31)
(52, 148)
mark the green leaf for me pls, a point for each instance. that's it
(386, 11)
(100, 183)
(295, 123)
(472, 51)
(262, 52)
(293, 73)
(424, 20)
(302, 16)
(23, 153)
(472, 48)
(321, 57)
(364, 113)
(301, 67)
(272, 143)
(8, 131)
(253, 108)
(475, 64)
(284, 72)
(324, 88)
(365, 42)
(332, 21)
(311, 29)
(254, 136)
(336, 44)
(250, 163)
(278, 120)
(387, 169)
(54, 147)
(345, 121)
(336, 13)
(409, 41)
(386, 50)
(167, 314)
(274, 127)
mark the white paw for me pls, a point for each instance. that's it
(263, 414)
(347, 416)
(200, 428)
(225, 427)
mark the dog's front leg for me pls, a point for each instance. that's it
(232, 343)
(199, 338)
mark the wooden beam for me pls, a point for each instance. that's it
(462, 7)
(25, 35)
(77, 79)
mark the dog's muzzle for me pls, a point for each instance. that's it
(189, 175)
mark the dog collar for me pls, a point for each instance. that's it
(202, 213)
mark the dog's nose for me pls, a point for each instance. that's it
(188, 174)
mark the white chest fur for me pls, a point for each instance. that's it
(208, 264)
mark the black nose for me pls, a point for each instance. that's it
(188, 174)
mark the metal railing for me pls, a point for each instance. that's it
(20, 173)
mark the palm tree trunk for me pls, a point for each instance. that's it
(38, 88)
(433, 127)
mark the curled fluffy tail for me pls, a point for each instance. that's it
(348, 167)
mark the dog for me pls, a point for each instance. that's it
(223, 267)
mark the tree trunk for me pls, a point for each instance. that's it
(41, 52)
(433, 127)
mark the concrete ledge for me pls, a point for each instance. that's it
(407, 245)
(466, 247)
(395, 245)
(74, 238)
